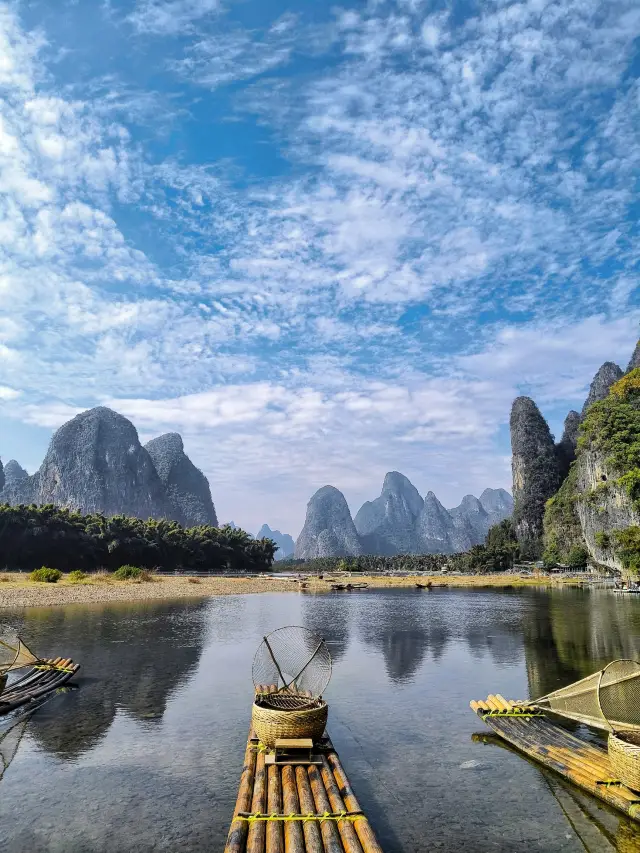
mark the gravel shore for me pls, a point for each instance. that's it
(17, 593)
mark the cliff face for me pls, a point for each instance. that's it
(635, 359)
(286, 545)
(602, 382)
(391, 518)
(187, 489)
(566, 447)
(328, 529)
(436, 530)
(95, 463)
(498, 504)
(607, 493)
(536, 475)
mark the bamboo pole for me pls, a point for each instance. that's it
(345, 827)
(362, 826)
(239, 828)
(328, 828)
(293, 837)
(275, 842)
(311, 830)
(258, 830)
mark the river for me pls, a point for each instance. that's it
(145, 754)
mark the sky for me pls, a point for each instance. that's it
(320, 241)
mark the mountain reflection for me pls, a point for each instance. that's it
(332, 623)
(568, 636)
(403, 628)
(126, 665)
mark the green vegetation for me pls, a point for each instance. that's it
(577, 557)
(562, 530)
(126, 572)
(627, 548)
(612, 427)
(603, 540)
(76, 576)
(45, 575)
(67, 540)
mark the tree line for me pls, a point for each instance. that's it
(32, 536)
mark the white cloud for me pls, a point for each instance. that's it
(171, 17)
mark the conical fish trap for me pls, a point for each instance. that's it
(608, 699)
(290, 670)
(619, 699)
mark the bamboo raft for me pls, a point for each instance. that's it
(38, 681)
(538, 736)
(297, 807)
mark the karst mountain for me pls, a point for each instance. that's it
(581, 495)
(399, 521)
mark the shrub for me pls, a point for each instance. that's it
(127, 572)
(194, 580)
(603, 540)
(577, 557)
(45, 575)
(76, 576)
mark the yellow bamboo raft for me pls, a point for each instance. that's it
(297, 808)
(531, 731)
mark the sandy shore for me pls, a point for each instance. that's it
(17, 593)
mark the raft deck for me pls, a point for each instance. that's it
(536, 734)
(300, 808)
(37, 682)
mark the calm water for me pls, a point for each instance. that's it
(145, 754)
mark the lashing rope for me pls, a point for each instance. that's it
(520, 714)
(258, 816)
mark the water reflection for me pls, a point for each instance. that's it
(576, 632)
(146, 753)
(132, 659)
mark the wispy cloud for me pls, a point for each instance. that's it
(414, 217)
(171, 17)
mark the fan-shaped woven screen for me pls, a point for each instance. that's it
(619, 694)
(294, 659)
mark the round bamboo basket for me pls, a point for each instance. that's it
(624, 754)
(286, 715)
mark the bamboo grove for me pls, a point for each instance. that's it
(32, 536)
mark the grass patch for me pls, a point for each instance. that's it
(76, 576)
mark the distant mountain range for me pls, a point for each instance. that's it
(96, 464)
(400, 521)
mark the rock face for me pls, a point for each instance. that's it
(328, 529)
(14, 474)
(437, 532)
(635, 359)
(286, 545)
(536, 475)
(602, 382)
(471, 519)
(498, 504)
(95, 463)
(390, 519)
(1, 476)
(566, 447)
(187, 489)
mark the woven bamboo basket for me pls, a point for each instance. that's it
(624, 754)
(287, 715)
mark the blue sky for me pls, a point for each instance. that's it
(322, 242)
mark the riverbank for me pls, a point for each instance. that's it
(16, 591)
